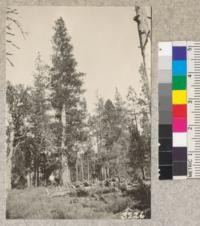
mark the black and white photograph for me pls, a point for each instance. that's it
(78, 112)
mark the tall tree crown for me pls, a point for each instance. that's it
(66, 82)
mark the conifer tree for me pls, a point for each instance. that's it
(39, 119)
(66, 84)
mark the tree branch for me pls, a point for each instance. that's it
(10, 62)
(12, 11)
(8, 27)
(9, 54)
(13, 44)
(18, 25)
(9, 33)
(146, 40)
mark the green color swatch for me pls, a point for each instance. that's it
(179, 82)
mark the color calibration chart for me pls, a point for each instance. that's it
(179, 109)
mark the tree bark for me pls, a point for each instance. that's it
(103, 173)
(82, 171)
(143, 173)
(65, 171)
(144, 32)
(37, 173)
(88, 170)
(28, 178)
(8, 172)
(10, 148)
(65, 177)
(76, 170)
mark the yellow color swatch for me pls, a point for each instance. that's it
(179, 97)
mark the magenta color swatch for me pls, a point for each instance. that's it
(179, 125)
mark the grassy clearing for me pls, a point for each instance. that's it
(91, 202)
(36, 204)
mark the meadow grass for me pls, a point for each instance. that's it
(35, 203)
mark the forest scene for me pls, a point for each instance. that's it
(65, 159)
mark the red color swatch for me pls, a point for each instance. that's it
(179, 111)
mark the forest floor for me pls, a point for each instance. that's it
(55, 203)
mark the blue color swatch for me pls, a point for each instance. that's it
(179, 53)
(179, 67)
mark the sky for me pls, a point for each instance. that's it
(105, 41)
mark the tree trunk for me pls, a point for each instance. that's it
(103, 173)
(144, 32)
(88, 170)
(65, 171)
(76, 170)
(37, 173)
(65, 176)
(28, 178)
(82, 171)
(10, 150)
(143, 173)
(8, 172)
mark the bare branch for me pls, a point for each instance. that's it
(12, 11)
(9, 54)
(10, 62)
(18, 25)
(8, 27)
(146, 40)
(12, 43)
(9, 33)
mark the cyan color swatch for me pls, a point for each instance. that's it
(179, 67)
